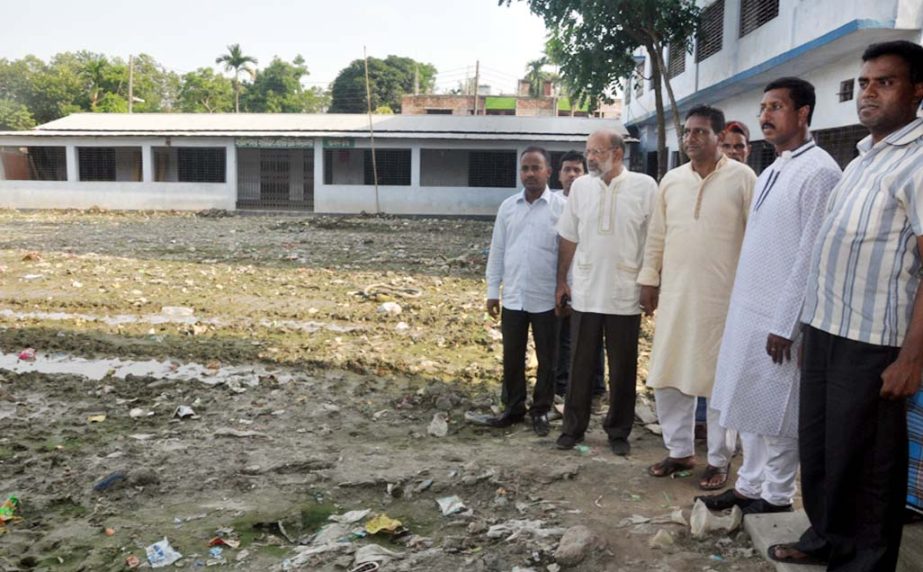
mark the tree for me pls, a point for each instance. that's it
(235, 61)
(205, 91)
(595, 41)
(389, 79)
(278, 88)
(14, 116)
(537, 76)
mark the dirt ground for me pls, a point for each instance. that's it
(309, 401)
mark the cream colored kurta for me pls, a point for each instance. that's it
(691, 252)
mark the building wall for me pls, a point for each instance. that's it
(458, 104)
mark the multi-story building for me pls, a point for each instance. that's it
(744, 44)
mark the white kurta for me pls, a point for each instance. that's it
(691, 252)
(753, 394)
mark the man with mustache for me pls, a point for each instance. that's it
(756, 393)
(863, 335)
(602, 232)
(523, 255)
(736, 141)
(689, 262)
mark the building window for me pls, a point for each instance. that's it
(109, 163)
(393, 167)
(33, 164)
(755, 13)
(676, 55)
(711, 31)
(841, 142)
(467, 168)
(762, 155)
(492, 169)
(438, 112)
(639, 79)
(189, 164)
(846, 90)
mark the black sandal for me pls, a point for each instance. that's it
(805, 558)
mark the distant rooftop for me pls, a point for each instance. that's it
(322, 125)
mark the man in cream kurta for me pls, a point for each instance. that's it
(602, 234)
(756, 393)
(689, 264)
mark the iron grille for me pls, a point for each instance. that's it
(676, 55)
(33, 163)
(755, 13)
(201, 164)
(492, 169)
(109, 163)
(393, 167)
(711, 31)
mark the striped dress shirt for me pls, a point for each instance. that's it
(866, 267)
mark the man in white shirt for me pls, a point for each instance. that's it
(602, 233)
(523, 254)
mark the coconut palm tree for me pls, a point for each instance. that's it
(235, 60)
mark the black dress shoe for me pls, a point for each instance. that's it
(723, 501)
(503, 421)
(620, 446)
(566, 441)
(540, 424)
(760, 506)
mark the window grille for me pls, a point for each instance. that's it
(755, 13)
(676, 63)
(847, 88)
(639, 79)
(33, 163)
(841, 142)
(492, 169)
(393, 167)
(762, 154)
(109, 163)
(201, 164)
(711, 31)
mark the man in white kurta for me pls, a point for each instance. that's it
(689, 264)
(602, 234)
(756, 382)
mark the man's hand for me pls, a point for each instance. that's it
(650, 296)
(778, 348)
(493, 307)
(560, 292)
(901, 379)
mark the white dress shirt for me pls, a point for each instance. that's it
(524, 252)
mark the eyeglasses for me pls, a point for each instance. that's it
(771, 108)
(596, 152)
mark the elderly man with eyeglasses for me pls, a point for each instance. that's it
(602, 234)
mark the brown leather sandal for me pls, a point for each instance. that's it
(668, 466)
(708, 482)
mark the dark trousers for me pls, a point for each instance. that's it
(562, 372)
(620, 334)
(514, 325)
(853, 449)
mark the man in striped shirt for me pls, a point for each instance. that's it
(863, 316)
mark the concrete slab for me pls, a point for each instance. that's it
(768, 529)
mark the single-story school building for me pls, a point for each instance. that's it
(425, 164)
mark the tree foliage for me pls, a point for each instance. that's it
(278, 88)
(204, 91)
(595, 41)
(14, 116)
(235, 60)
(389, 80)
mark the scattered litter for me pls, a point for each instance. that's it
(132, 561)
(110, 481)
(27, 354)
(8, 511)
(382, 523)
(513, 529)
(680, 474)
(242, 555)
(675, 517)
(350, 517)
(331, 533)
(402, 327)
(215, 551)
(220, 541)
(161, 554)
(375, 553)
(716, 558)
(96, 418)
(450, 505)
(583, 449)
(184, 411)
(137, 412)
(109, 532)
(703, 521)
(633, 520)
(662, 539)
(439, 426)
(366, 567)
(477, 418)
(390, 308)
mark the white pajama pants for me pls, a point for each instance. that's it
(769, 468)
(676, 413)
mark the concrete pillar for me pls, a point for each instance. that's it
(147, 163)
(415, 166)
(73, 167)
(230, 175)
(319, 190)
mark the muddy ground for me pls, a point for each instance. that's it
(309, 402)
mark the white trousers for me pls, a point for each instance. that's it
(676, 413)
(769, 468)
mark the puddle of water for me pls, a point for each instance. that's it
(97, 369)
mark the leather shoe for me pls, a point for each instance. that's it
(503, 421)
(566, 441)
(620, 446)
(760, 506)
(540, 424)
(723, 501)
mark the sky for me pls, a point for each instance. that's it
(184, 35)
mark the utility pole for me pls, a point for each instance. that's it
(477, 80)
(416, 79)
(368, 100)
(131, 82)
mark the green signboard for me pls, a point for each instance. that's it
(344, 143)
(275, 143)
